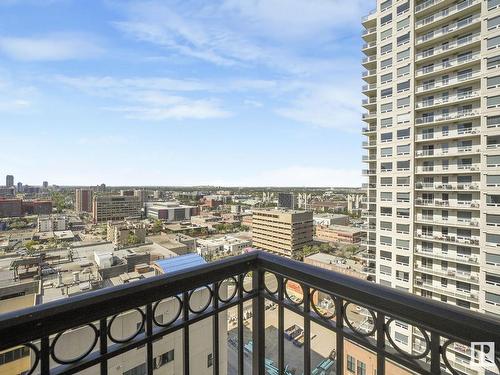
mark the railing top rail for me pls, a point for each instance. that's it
(450, 321)
(31, 323)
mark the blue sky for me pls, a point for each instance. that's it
(188, 92)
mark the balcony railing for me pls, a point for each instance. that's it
(39, 328)
(434, 34)
(445, 13)
(455, 62)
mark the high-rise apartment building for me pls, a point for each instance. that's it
(432, 73)
(287, 200)
(115, 207)
(83, 200)
(9, 180)
(282, 231)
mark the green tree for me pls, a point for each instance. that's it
(31, 244)
(157, 226)
(133, 239)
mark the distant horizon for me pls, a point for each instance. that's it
(225, 92)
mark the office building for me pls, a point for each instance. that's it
(432, 73)
(9, 180)
(124, 233)
(11, 207)
(37, 207)
(170, 211)
(141, 194)
(282, 231)
(20, 187)
(83, 200)
(7, 192)
(211, 248)
(45, 185)
(52, 223)
(339, 233)
(287, 200)
(330, 219)
(115, 208)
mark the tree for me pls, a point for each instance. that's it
(133, 239)
(157, 226)
(31, 244)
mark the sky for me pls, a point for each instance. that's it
(188, 92)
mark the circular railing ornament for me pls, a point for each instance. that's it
(358, 331)
(230, 296)
(288, 297)
(37, 357)
(319, 310)
(205, 306)
(401, 351)
(176, 315)
(131, 337)
(63, 361)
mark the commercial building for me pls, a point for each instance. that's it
(7, 192)
(18, 207)
(11, 207)
(330, 219)
(222, 246)
(170, 211)
(339, 233)
(115, 208)
(83, 200)
(14, 297)
(179, 243)
(122, 233)
(336, 264)
(287, 201)
(52, 223)
(282, 231)
(206, 220)
(9, 180)
(432, 73)
(37, 207)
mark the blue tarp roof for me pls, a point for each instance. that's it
(179, 263)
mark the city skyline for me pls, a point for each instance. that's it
(156, 90)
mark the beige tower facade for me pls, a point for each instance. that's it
(432, 122)
(282, 231)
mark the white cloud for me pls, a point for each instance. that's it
(242, 33)
(331, 106)
(14, 97)
(175, 109)
(300, 175)
(253, 103)
(52, 47)
(296, 19)
(152, 99)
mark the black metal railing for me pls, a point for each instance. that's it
(258, 279)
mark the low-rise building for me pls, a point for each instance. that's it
(206, 220)
(339, 233)
(11, 207)
(337, 264)
(52, 223)
(178, 243)
(330, 219)
(115, 208)
(282, 231)
(222, 246)
(170, 211)
(122, 233)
